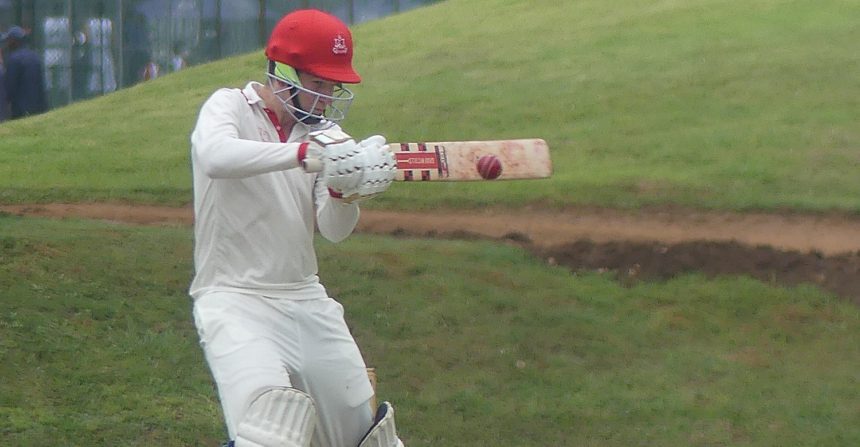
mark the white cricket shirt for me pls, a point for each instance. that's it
(254, 207)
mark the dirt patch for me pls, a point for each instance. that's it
(631, 262)
(786, 249)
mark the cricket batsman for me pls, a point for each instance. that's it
(271, 164)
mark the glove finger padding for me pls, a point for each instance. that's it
(344, 163)
(379, 175)
(373, 141)
(378, 170)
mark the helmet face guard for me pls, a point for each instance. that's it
(286, 85)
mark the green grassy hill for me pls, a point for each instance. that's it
(702, 103)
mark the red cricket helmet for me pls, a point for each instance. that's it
(315, 42)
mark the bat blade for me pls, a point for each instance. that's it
(458, 160)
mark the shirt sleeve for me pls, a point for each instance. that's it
(221, 153)
(335, 219)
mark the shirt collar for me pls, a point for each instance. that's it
(251, 93)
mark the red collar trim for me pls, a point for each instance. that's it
(273, 117)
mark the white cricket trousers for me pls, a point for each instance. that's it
(253, 343)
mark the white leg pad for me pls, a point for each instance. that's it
(280, 417)
(383, 433)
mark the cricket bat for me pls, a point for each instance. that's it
(472, 160)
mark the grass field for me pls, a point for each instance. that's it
(702, 103)
(98, 346)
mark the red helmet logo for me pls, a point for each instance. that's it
(339, 45)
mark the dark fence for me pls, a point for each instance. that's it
(92, 47)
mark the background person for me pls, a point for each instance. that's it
(4, 102)
(151, 70)
(136, 47)
(58, 39)
(178, 58)
(24, 80)
(269, 164)
(99, 30)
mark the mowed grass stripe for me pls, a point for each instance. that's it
(476, 343)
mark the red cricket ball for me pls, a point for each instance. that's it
(489, 166)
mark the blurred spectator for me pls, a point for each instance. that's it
(150, 71)
(58, 41)
(80, 64)
(24, 79)
(136, 47)
(4, 103)
(100, 38)
(179, 59)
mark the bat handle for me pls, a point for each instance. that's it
(371, 374)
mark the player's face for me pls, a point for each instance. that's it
(316, 103)
(309, 98)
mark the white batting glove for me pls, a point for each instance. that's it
(379, 169)
(352, 171)
(313, 156)
(336, 157)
